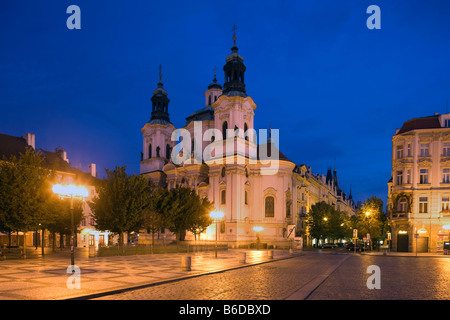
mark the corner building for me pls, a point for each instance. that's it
(419, 188)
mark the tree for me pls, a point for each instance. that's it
(152, 220)
(326, 222)
(202, 219)
(24, 191)
(120, 204)
(183, 210)
(371, 219)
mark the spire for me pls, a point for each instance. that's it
(214, 84)
(234, 72)
(160, 103)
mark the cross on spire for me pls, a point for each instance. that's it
(160, 72)
(234, 33)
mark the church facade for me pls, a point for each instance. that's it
(261, 192)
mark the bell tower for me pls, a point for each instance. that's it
(157, 143)
(234, 72)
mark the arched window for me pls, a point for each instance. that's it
(269, 207)
(149, 150)
(245, 131)
(223, 172)
(224, 130)
(168, 151)
(209, 100)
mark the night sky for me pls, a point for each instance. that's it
(336, 90)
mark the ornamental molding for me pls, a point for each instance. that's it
(424, 163)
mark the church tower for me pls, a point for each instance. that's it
(157, 144)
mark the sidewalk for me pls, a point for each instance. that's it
(406, 254)
(46, 278)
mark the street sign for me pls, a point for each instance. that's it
(291, 232)
(355, 233)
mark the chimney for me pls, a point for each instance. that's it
(30, 139)
(93, 170)
(62, 154)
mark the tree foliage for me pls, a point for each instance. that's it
(121, 202)
(326, 222)
(183, 209)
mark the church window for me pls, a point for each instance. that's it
(269, 207)
(245, 131)
(149, 150)
(223, 197)
(209, 100)
(223, 172)
(224, 130)
(168, 151)
(246, 197)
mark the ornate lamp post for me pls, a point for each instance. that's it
(216, 215)
(71, 192)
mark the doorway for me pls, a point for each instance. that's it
(402, 242)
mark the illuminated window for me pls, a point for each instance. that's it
(399, 178)
(423, 177)
(446, 149)
(399, 152)
(445, 204)
(446, 175)
(269, 207)
(424, 150)
(423, 205)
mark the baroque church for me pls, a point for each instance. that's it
(258, 201)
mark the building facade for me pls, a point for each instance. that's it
(419, 189)
(260, 191)
(65, 174)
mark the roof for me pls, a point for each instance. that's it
(271, 150)
(431, 122)
(206, 113)
(12, 146)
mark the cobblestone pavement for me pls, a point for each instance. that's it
(47, 278)
(402, 278)
(313, 276)
(274, 281)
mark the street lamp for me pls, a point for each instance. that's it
(70, 192)
(258, 230)
(216, 215)
(368, 224)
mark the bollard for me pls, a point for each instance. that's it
(186, 263)
(291, 252)
(243, 257)
(270, 254)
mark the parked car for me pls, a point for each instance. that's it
(351, 247)
(328, 246)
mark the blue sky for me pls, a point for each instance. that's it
(336, 90)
